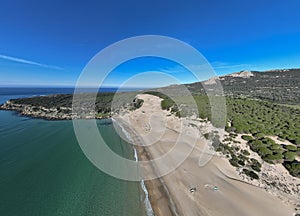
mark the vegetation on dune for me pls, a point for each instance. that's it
(255, 117)
(61, 100)
(250, 173)
(289, 155)
(258, 118)
(255, 165)
(267, 149)
(167, 103)
(137, 103)
(274, 86)
(103, 105)
(262, 118)
(238, 157)
(247, 138)
(273, 153)
(184, 106)
(290, 147)
(293, 167)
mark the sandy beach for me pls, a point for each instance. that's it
(219, 190)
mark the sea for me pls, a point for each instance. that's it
(44, 172)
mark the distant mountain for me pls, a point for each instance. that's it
(280, 86)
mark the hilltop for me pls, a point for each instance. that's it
(279, 86)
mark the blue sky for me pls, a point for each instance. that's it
(48, 43)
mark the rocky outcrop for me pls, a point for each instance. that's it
(242, 74)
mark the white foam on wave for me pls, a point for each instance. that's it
(147, 203)
(135, 155)
(123, 130)
(146, 200)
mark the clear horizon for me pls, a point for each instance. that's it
(119, 87)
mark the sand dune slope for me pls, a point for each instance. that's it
(219, 190)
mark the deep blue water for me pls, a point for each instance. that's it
(46, 91)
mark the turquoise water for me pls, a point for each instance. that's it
(44, 172)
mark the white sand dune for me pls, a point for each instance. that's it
(233, 197)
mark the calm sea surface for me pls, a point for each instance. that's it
(44, 172)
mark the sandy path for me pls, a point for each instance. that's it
(232, 198)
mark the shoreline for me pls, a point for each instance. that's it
(147, 202)
(161, 201)
(149, 185)
(159, 198)
(143, 184)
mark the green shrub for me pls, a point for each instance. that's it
(245, 152)
(276, 147)
(227, 139)
(215, 142)
(258, 135)
(206, 135)
(234, 162)
(230, 129)
(178, 114)
(255, 168)
(166, 104)
(264, 151)
(233, 135)
(247, 138)
(137, 103)
(251, 174)
(255, 165)
(241, 162)
(290, 147)
(254, 161)
(272, 158)
(297, 141)
(255, 145)
(289, 156)
(293, 168)
(268, 141)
